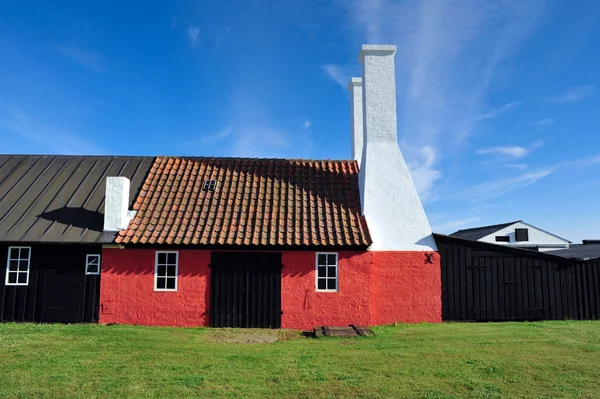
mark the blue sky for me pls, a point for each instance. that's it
(498, 100)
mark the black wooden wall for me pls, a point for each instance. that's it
(484, 283)
(58, 289)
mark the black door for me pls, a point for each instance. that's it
(63, 294)
(245, 289)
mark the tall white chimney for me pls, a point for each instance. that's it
(389, 199)
(356, 113)
(116, 204)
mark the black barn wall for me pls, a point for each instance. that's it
(483, 283)
(58, 289)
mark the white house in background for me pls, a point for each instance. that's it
(515, 234)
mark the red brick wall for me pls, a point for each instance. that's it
(374, 288)
(127, 293)
(304, 308)
(404, 288)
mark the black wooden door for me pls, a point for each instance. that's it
(245, 290)
(63, 294)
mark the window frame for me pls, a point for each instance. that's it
(8, 271)
(337, 272)
(176, 271)
(519, 232)
(87, 264)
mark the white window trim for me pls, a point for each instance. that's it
(337, 272)
(8, 259)
(87, 263)
(176, 270)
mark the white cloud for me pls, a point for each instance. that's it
(514, 151)
(450, 52)
(50, 139)
(423, 170)
(543, 122)
(499, 111)
(496, 188)
(337, 74)
(306, 124)
(193, 33)
(453, 225)
(574, 94)
(518, 166)
(88, 59)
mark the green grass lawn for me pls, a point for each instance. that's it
(546, 359)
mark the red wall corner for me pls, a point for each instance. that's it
(404, 288)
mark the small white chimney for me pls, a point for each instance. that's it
(389, 199)
(356, 113)
(116, 204)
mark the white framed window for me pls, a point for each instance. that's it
(92, 264)
(327, 271)
(17, 266)
(165, 272)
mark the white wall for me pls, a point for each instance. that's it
(537, 237)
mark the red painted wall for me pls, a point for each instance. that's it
(127, 293)
(404, 288)
(374, 288)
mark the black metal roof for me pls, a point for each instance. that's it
(60, 199)
(579, 252)
(480, 232)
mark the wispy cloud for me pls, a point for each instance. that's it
(496, 188)
(306, 124)
(514, 151)
(337, 74)
(499, 111)
(518, 166)
(543, 122)
(90, 60)
(453, 225)
(450, 52)
(193, 34)
(574, 94)
(422, 169)
(49, 138)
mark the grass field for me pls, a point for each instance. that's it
(546, 359)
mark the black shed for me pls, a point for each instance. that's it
(51, 233)
(489, 282)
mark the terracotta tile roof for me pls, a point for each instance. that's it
(276, 202)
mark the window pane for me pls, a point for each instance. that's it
(161, 270)
(331, 284)
(23, 265)
(161, 283)
(321, 271)
(24, 253)
(171, 259)
(331, 271)
(171, 271)
(171, 283)
(22, 278)
(321, 284)
(13, 253)
(322, 259)
(92, 269)
(331, 259)
(93, 260)
(13, 265)
(162, 258)
(12, 278)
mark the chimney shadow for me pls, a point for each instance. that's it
(77, 217)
